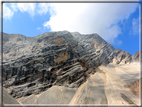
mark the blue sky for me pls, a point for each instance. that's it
(117, 23)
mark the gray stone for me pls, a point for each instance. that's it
(33, 64)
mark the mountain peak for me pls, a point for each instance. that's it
(55, 58)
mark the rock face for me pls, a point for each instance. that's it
(134, 86)
(33, 64)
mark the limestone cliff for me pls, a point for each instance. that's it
(34, 64)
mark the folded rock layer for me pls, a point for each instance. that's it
(34, 64)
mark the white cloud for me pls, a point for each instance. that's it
(89, 18)
(43, 8)
(86, 18)
(38, 28)
(14, 6)
(31, 8)
(117, 42)
(135, 26)
(7, 13)
(27, 7)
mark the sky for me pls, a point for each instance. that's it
(117, 23)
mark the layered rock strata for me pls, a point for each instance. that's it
(34, 64)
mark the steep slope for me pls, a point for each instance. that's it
(107, 86)
(8, 99)
(54, 58)
(54, 95)
(34, 64)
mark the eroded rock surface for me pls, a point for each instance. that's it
(34, 64)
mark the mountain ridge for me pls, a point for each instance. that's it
(32, 65)
(49, 33)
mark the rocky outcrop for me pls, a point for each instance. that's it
(136, 56)
(119, 56)
(135, 86)
(33, 64)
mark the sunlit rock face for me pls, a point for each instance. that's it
(33, 64)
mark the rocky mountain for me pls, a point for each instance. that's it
(32, 65)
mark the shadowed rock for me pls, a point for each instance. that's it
(34, 64)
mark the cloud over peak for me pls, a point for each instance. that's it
(86, 18)
(7, 13)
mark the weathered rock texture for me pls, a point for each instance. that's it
(33, 64)
(135, 86)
